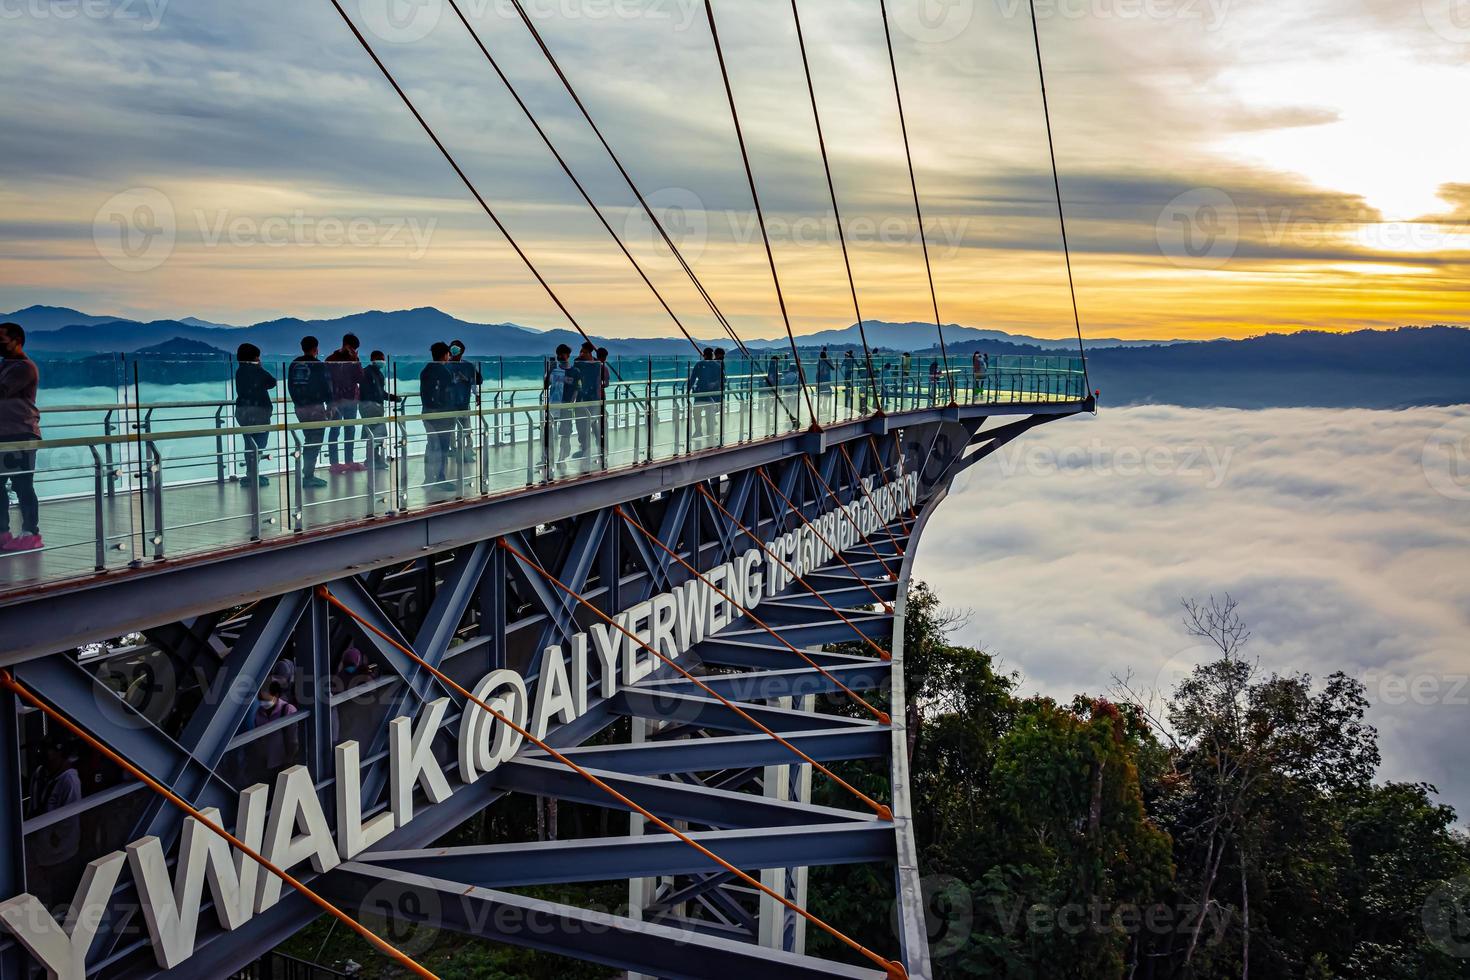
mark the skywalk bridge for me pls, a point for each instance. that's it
(173, 585)
(694, 617)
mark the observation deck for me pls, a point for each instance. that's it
(138, 486)
(174, 585)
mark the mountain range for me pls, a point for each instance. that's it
(52, 328)
(1366, 368)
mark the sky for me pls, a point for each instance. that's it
(1342, 535)
(1229, 167)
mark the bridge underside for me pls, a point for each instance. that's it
(177, 697)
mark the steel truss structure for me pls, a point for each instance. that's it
(177, 701)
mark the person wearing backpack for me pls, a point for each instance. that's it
(561, 389)
(253, 387)
(375, 398)
(311, 393)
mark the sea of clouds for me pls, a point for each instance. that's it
(1345, 536)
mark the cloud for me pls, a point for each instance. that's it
(1342, 533)
(226, 109)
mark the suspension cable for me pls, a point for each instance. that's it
(918, 212)
(892, 969)
(883, 468)
(836, 213)
(454, 5)
(887, 608)
(459, 171)
(403, 959)
(857, 575)
(878, 808)
(871, 502)
(789, 503)
(709, 11)
(1057, 185)
(858, 479)
(628, 179)
(882, 716)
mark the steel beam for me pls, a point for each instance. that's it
(597, 937)
(768, 685)
(652, 855)
(728, 751)
(670, 800)
(706, 712)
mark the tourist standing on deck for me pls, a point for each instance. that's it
(720, 362)
(253, 387)
(704, 389)
(464, 378)
(561, 388)
(345, 371)
(374, 397)
(606, 372)
(311, 393)
(588, 372)
(435, 382)
(20, 421)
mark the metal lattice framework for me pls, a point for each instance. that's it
(177, 703)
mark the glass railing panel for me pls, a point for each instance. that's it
(179, 477)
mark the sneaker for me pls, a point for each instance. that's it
(381, 464)
(26, 542)
(313, 482)
(265, 481)
(337, 469)
(357, 467)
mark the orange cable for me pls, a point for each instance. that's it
(9, 682)
(858, 479)
(893, 969)
(883, 472)
(877, 808)
(882, 653)
(882, 716)
(796, 510)
(836, 500)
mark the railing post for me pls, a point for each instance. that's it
(252, 476)
(637, 429)
(530, 449)
(682, 423)
(370, 447)
(401, 465)
(548, 438)
(155, 473)
(602, 430)
(107, 430)
(99, 528)
(219, 446)
(298, 479)
(459, 460)
(485, 447)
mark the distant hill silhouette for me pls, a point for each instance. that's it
(1365, 368)
(881, 333)
(182, 346)
(37, 319)
(412, 331)
(397, 332)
